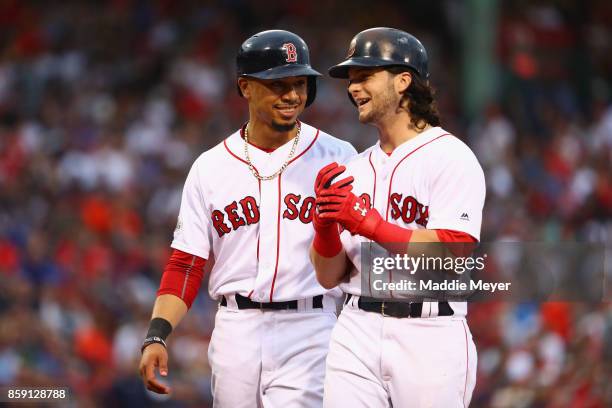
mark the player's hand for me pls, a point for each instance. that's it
(154, 355)
(344, 207)
(323, 185)
(326, 176)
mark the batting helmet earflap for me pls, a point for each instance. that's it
(383, 47)
(276, 54)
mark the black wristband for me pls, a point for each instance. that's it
(159, 327)
(150, 340)
(159, 330)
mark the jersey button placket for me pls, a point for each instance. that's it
(383, 169)
(386, 168)
(267, 239)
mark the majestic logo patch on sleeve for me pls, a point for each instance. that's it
(465, 217)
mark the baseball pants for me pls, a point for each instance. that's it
(376, 361)
(269, 358)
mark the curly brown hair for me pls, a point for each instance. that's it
(418, 100)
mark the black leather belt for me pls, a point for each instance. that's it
(246, 303)
(397, 309)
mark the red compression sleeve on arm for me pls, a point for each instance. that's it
(182, 276)
(456, 239)
(396, 238)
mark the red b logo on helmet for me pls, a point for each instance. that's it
(291, 52)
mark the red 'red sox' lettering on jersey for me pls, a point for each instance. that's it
(246, 212)
(367, 201)
(297, 208)
(249, 210)
(408, 209)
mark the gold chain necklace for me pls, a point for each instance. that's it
(296, 139)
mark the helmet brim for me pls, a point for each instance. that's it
(285, 71)
(310, 73)
(341, 70)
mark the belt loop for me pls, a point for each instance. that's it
(425, 309)
(329, 304)
(231, 302)
(304, 305)
(433, 309)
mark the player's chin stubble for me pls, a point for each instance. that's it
(283, 127)
(381, 106)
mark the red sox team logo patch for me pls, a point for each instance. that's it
(351, 49)
(291, 52)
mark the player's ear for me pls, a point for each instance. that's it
(243, 86)
(402, 81)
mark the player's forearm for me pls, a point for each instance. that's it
(168, 311)
(424, 235)
(456, 243)
(169, 307)
(330, 271)
(419, 244)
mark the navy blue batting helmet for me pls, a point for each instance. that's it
(383, 47)
(276, 54)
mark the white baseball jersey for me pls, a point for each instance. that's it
(431, 181)
(257, 233)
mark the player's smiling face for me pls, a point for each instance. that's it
(374, 93)
(277, 102)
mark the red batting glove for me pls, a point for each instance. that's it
(344, 207)
(327, 175)
(327, 236)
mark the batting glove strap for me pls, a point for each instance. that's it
(369, 225)
(356, 218)
(150, 340)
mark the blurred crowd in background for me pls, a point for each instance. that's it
(105, 105)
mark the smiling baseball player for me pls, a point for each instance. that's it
(419, 183)
(246, 208)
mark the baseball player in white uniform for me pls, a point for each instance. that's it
(419, 183)
(246, 211)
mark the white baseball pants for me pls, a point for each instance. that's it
(269, 358)
(377, 361)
